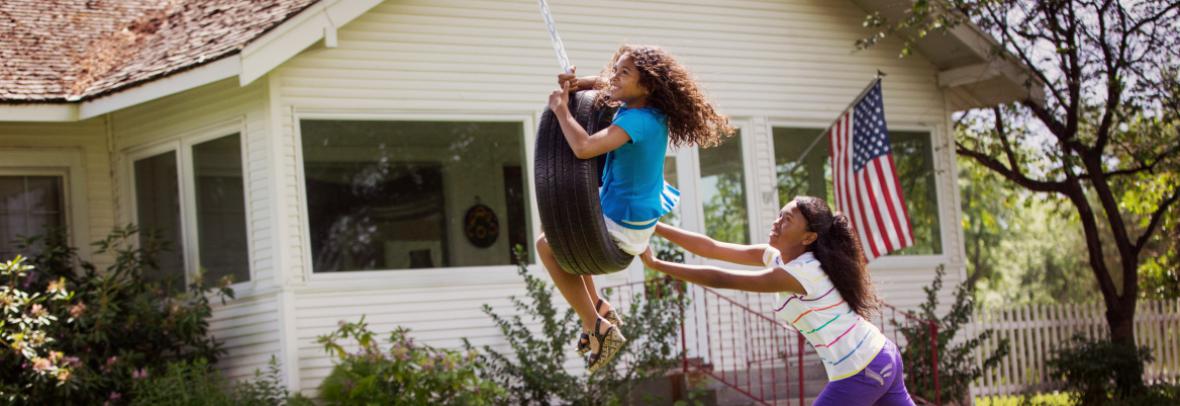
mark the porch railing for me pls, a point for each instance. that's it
(733, 338)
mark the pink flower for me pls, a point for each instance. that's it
(63, 375)
(37, 310)
(76, 310)
(42, 364)
(115, 396)
(141, 373)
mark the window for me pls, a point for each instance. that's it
(723, 192)
(216, 208)
(803, 171)
(29, 206)
(157, 211)
(221, 209)
(387, 195)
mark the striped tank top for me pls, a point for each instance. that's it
(844, 341)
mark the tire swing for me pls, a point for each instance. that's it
(567, 194)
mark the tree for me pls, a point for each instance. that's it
(1104, 137)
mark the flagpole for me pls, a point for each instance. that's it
(874, 82)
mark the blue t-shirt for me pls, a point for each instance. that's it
(633, 192)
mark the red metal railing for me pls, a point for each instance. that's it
(734, 338)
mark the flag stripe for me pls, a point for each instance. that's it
(905, 214)
(868, 206)
(890, 217)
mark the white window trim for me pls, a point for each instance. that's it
(181, 145)
(416, 278)
(889, 262)
(64, 162)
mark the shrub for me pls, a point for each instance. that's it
(121, 321)
(956, 363)
(534, 373)
(405, 374)
(25, 326)
(1089, 369)
(197, 383)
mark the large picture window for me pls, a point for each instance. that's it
(385, 195)
(803, 171)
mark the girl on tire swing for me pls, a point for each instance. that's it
(659, 102)
(814, 255)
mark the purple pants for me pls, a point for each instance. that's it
(880, 383)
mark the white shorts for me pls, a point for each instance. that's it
(629, 240)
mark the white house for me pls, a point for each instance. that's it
(326, 152)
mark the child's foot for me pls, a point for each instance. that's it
(611, 315)
(605, 343)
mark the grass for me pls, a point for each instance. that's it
(1052, 398)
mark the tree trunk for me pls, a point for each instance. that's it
(1121, 320)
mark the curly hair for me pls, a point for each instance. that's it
(692, 120)
(839, 252)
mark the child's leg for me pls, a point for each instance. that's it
(571, 286)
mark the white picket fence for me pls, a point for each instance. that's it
(1034, 332)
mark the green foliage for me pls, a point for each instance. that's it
(1021, 248)
(956, 363)
(121, 322)
(405, 374)
(1091, 370)
(26, 324)
(197, 383)
(535, 374)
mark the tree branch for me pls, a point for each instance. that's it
(1156, 219)
(1013, 174)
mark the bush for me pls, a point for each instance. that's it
(406, 374)
(25, 325)
(1089, 369)
(121, 322)
(535, 373)
(199, 384)
(956, 364)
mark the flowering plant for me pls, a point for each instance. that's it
(25, 318)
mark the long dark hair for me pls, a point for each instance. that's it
(692, 119)
(839, 252)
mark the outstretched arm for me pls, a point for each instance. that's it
(766, 280)
(705, 246)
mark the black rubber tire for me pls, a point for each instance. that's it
(567, 194)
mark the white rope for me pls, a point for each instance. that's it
(558, 47)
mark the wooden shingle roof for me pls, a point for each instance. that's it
(71, 50)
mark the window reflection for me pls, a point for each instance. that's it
(401, 194)
(723, 192)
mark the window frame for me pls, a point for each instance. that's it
(181, 145)
(747, 130)
(887, 261)
(67, 164)
(454, 275)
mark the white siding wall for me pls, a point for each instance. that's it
(250, 325)
(761, 61)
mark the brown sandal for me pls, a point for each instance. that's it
(609, 345)
(612, 316)
(584, 343)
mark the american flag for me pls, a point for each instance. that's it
(865, 178)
